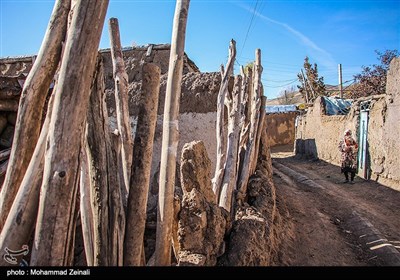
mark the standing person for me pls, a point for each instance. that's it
(348, 147)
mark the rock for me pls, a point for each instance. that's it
(202, 224)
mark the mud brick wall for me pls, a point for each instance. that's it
(281, 128)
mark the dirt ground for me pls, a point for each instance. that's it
(330, 223)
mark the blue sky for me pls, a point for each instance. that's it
(329, 32)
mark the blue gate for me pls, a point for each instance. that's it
(363, 159)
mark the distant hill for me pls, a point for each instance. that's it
(292, 98)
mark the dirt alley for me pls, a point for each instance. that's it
(336, 224)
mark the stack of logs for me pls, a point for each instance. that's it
(238, 138)
(10, 91)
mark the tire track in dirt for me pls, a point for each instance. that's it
(338, 203)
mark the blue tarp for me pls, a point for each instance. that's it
(336, 106)
(280, 108)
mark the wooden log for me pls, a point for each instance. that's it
(170, 137)
(10, 93)
(121, 101)
(230, 174)
(141, 167)
(9, 105)
(31, 105)
(54, 228)
(86, 209)
(256, 104)
(20, 222)
(3, 168)
(220, 131)
(105, 187)
(259, 133)
(244, 118)
(5, 154)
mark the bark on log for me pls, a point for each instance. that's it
(250, 150)
(31, 105)
(54, 228)
(9, 105)
(220, 131)
(141, 167)
(121, 102)
(230, 174)
(7, 93)
(259, 133)
(5, 154)
(3, 168)
(170, 137)
(105, 186)
(21, 220)
(86, 209)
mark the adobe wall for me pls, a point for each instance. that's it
(317, 135)
(198, 104)
(281, 128)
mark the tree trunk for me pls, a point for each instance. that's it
(21, 220)
(230, 174)
(54, 228)
(31, 105)
(170, 137)
(105, 191)
(221, 138)
(121, 104)
(141, 167)
(255, 114)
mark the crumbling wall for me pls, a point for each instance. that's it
(317, 135)
(281, 128)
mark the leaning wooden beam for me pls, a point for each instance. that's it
(21, 220)
(230, 174)
(259, 133)
(121, 101)
(141, 167)
(104, 185)
(220, 131)
(31, 105)
(54, 228)
(256, 104)
(170, 137)
(86, 210)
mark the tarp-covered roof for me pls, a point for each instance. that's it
(280, 108)
(336, 106)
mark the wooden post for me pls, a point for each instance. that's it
(220, 131)
(121, 102)
(255, 114)
(170, 137)
(21, 220)
(86, 210)
(55, 228)
(230, 175)
(259, 133)
(105, 191)
(141, 167)
(31, 105)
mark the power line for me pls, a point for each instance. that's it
(248, 29)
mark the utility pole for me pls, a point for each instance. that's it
(340, 80)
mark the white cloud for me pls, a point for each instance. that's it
(322, 56)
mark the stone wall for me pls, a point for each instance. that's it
(281, 128)
(317, 135)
